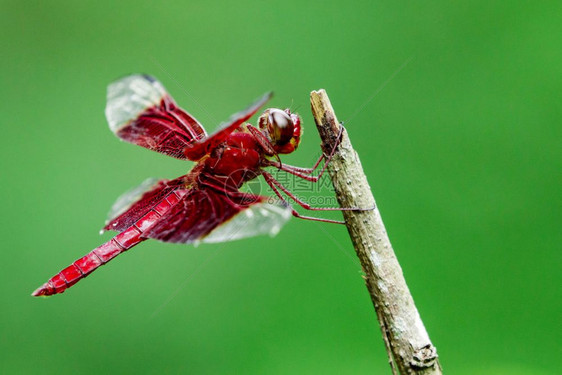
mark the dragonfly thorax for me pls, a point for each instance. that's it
(238, 159)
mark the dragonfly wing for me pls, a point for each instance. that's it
(210, 216)
(127, 199)
(258, 219)
(140, 111)
(197, 150)
(135, 203)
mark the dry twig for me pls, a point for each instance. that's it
(404, 334)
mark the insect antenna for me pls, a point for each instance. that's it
(296, 108)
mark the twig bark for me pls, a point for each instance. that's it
(404, 334)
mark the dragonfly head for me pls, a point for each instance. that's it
(282, 128)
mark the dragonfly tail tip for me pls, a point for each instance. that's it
(43, 291)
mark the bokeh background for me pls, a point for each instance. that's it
(454, 108)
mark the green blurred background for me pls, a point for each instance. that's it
(462, 147)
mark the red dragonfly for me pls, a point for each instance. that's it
(206, 204)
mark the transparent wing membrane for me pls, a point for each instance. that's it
(258, 219)
(128, 97)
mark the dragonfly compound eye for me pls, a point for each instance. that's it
(280, 126)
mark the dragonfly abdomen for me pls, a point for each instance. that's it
(102, 254)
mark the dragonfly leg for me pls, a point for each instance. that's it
(272, 181)
(305, 172)
(295, 213)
